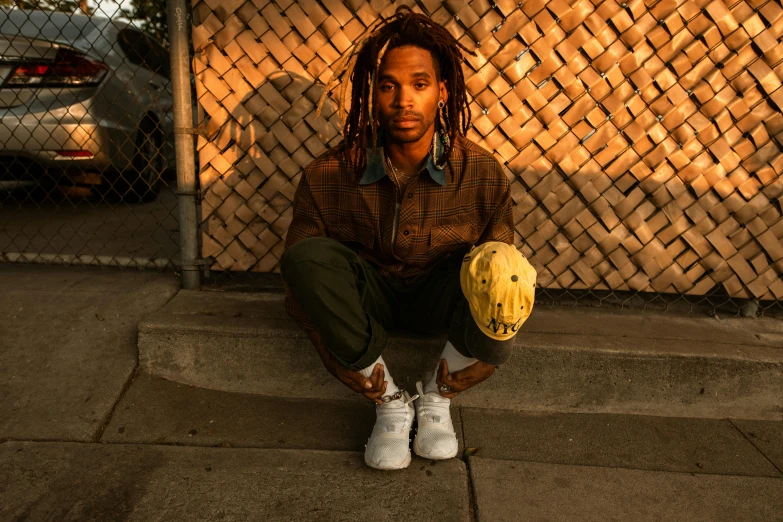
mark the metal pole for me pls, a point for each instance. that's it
(187, 188)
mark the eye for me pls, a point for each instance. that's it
(385, 87)
(421, 85)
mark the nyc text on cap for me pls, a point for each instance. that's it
(499, 284)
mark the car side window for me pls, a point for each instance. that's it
(144, 52)
(131, 43)
(164, 63)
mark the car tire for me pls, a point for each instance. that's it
(140, 183)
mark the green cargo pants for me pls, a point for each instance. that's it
(352, 305)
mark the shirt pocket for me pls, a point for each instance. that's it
(349, 233)
(456, 234)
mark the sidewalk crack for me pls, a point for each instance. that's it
(131, 379)
(465, 457)
(755, 446)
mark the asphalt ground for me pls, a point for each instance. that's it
(86, 435)
(44, 224)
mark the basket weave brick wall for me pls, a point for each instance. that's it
(642, 139)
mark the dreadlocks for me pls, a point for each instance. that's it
(361, 65)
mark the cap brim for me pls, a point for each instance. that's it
(486, 349)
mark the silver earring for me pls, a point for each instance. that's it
(443, 129)
(444, 135)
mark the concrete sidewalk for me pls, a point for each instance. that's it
(88, 435)
(566, 359)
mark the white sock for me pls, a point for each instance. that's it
(456, 362)
(391, 388)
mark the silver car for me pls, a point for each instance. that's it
(83, 100)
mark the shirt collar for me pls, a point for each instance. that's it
(376, 164)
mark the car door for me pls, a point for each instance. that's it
(147, 74)
(161, 85)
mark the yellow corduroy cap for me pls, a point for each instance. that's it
(499, 284)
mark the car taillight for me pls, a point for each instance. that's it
(74, 153)
(68, 68)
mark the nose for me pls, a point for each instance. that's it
(404, 98)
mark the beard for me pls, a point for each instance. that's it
(397, 134)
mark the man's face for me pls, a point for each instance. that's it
(408, 94)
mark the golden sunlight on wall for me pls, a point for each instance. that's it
(642, 139)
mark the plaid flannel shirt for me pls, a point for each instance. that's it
(442, 211)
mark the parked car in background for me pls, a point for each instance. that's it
(85, 100)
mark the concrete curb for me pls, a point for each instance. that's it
(569, 359)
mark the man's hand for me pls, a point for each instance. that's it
(461, 380)
(372, 388)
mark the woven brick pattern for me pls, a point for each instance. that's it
(642, 139)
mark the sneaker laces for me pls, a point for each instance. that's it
(394, 415)
(433, 407)
(399, 395)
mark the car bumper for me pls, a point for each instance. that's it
(42, 139)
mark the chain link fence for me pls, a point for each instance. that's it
(86, 137)
(642, 141)
(87, 156)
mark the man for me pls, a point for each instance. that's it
(380, 228)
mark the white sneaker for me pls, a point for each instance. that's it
(435, 437)
(388, 447)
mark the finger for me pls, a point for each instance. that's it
(358, 380)
(460, 377)
(372, 395)
(449, 394)
(451, 378)
(356, 383)
(456, 387)
(371, 379)
(352, 385)
(373, 398)
(376, 393)
(474, 374)
(443, 371)
(444, 378)
(377, 381)
(376, 396)
(466, 369)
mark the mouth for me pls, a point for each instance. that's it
(405, 122)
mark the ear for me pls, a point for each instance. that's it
(444, 92)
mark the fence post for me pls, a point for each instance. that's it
(187, 189)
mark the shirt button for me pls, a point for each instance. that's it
(405, 233)
(410, 195)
